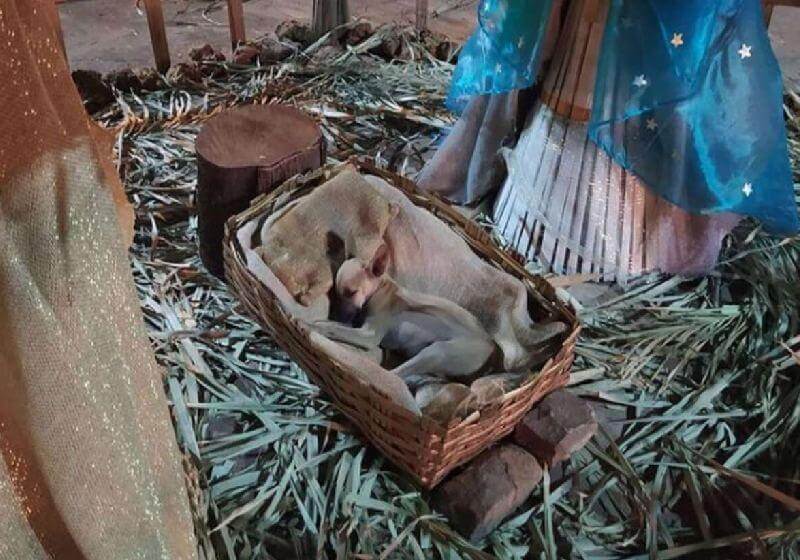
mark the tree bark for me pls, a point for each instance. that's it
(328, 14)
(158, 34)
(242, 153)
(236, 22)
(422, 15)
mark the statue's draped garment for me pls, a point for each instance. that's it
(688, 97)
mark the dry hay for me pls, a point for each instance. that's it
(702, 377)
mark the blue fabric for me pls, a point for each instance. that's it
(503, 52)
(688, 97)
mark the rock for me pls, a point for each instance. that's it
(390, 46)
(206, 53)
(438, 45)
(557, 427)
(246, 54)
(326, 53)
(150, 79)
(206, 62)
(394, 42)
(358, 32)
(490, 489)
(445, 402)
(187, 75)
(294, 31)
(95, 93)
(273, 50)
(124, 80)
(492, 387)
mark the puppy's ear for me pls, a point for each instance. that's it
(380, 262)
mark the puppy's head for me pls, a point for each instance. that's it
(356, 282)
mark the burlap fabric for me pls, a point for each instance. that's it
(89, 468)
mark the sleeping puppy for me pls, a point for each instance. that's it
(426, 256)
(439, 338)
(294, 246)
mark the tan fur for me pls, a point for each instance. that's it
(445, 340)
(427, 256)
(360, 359)
(295, 246)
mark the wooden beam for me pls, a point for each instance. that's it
(158, 33)
(236, 22)
(328, 14)
(422, 15)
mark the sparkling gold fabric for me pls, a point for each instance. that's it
(89, 468)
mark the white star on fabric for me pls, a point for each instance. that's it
(747, 189)
(746, 51)
(640, 81)
(677, 40)
(521, 42)
(652, 124)
(498, 68)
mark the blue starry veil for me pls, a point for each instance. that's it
(688, 97)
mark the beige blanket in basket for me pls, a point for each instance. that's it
(427, 257)
(367, 369)
(296, 243)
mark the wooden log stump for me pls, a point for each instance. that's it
(242, 153)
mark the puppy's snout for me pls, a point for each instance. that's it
(347, 313)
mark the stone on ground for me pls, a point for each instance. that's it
(94, 92)
(274, 51)
(206, 53)
(557, 427)
(246, 54)
(490, 489)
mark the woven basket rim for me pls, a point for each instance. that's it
(417, 444)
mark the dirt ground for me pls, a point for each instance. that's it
(111, 34)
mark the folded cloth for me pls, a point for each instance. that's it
(469, 165)
(296, 246)
(365, 368)
(688, 97)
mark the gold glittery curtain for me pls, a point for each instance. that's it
(89, 467)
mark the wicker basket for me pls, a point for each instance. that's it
(419, 445)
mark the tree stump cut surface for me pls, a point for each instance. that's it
(242, 153)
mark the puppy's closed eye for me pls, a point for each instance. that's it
(348, 292)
